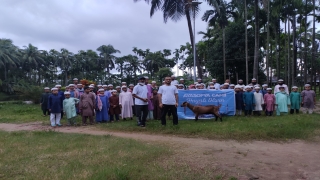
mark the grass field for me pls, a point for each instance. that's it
(20, 113)
(281, 128)
(52, 155)
(276, 128)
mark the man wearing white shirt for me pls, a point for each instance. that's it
(168, 100)
(216, 85)
(140, 94)
(173, 80)
(281, 84)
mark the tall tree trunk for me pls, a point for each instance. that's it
(256, 42)
(224, 54)
(268, 42)
(314, 47)
(285, 59)
(288, 75)
(246, 40)
(189, 25)
(305, 48)
(294, 57)
(279, 50)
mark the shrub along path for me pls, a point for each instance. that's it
(255, 159)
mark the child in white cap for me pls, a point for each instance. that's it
(259, 102)
(308, 99)
(69, 108)
(44, 101)
(55, 107)
(295, 98)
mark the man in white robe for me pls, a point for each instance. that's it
(126, 103)
(258, 97)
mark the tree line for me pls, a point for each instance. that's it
(264, 39)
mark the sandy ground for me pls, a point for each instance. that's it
(251, 160)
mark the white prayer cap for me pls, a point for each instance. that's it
(232, 85)
(91, 86)
(181, 79)
(153, 82)
(163, 81)
(214, 79)
(58, 86)
(240, 80)
(117, 87)
(197, 85)
(67, 86)
(180, 85)
(131, 85)
(46, 88)
(210, 82)
(226, 84)
(123, 83)
(71, 85)
(79, 84)
(104, 85)
(65, 93)
(110, 85)
(75, 79)
(199, 79)
(253, 79)
(123, 87)
(264, 85)
(293, 87)
(280, 80)
(307, 85)
(269, 89)
(99, 85)
(237, 86)
(54, 89)
(257, 87)
(146, 77)
(101, 90)
(173, 76)
(114, 91)
(246, 87)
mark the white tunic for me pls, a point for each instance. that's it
(276, 88)
(258, 98)
(126, 102)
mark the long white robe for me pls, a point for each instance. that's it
(258, 97)
(126, 102)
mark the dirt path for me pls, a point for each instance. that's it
(257, 159)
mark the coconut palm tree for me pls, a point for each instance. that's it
(107, 56)
(219, 15)
(9, 55)
(33, 59)
(64, 61)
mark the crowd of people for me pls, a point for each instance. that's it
(153, 101)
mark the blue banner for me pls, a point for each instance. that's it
(225, 98)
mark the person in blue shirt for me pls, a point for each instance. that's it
(55, 107)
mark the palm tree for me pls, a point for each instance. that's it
(120, 62)
(175, 10)
(220, 15)
(9, 55)
(64, 61)
(154, 61)
(33, 58)
(133, 65)
(107, 56)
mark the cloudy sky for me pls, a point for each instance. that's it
(88, 24)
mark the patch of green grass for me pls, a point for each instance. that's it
(20, 113)
(275, 128)
(52, 155)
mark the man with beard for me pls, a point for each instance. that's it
(281, 84)
(140, 94)
(182, 82)
(254, 82)
(215, 84)
(75, 81)
(240, 84)
(173, 80)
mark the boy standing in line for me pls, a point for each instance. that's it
(295, 98)
(308, 99)
(248, 101)
(69, 108)
(87, 106)
(44, 101)
(55, 107)
(270, 101)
